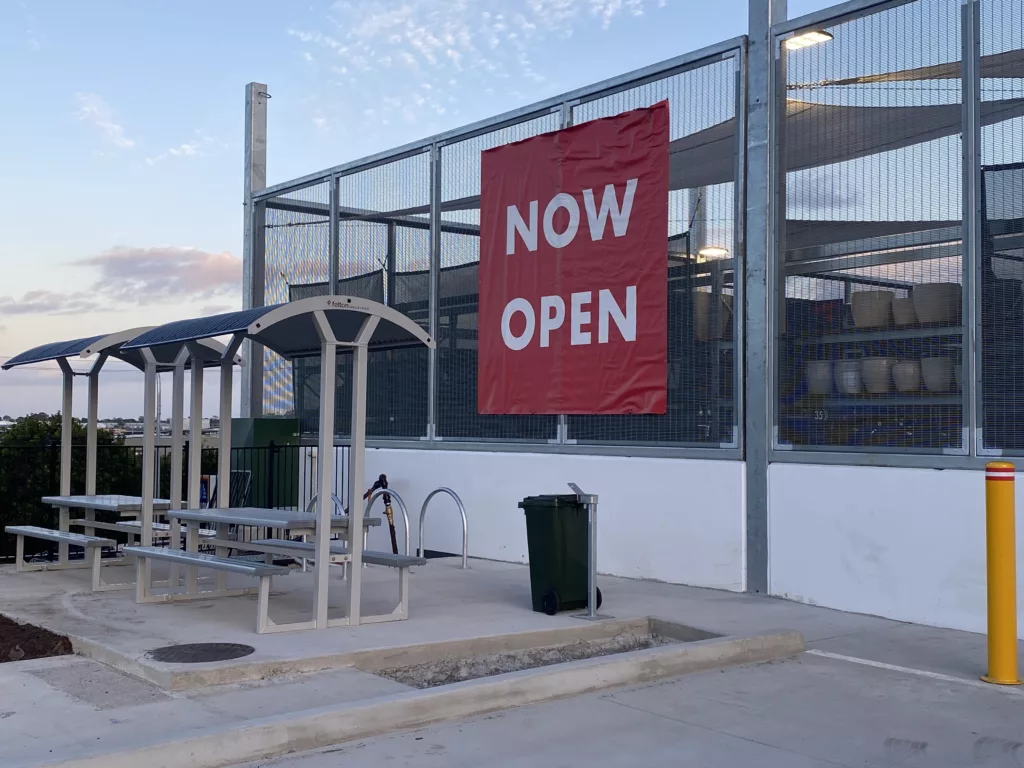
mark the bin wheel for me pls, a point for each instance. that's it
(599, 599)
(551, 603)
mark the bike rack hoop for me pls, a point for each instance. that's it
(465, 525)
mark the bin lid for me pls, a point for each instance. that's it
(551, 501)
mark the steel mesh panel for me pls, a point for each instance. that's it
(458, 304)
(1001, 311)
(297, 253)
(379, 241)
(701, 407)
(869, 327)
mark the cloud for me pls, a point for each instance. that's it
(137, 275)
(198, 147)
(32, 28)
(216, 309)
(429, 41)
(49, 303)
(93, 109)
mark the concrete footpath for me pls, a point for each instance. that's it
(808, 712)
(870, 692)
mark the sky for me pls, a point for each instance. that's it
(121, 147)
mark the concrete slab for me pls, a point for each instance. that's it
(455, 606)
(219, 746)
(945, 651)
(803, 712)
(446, 604)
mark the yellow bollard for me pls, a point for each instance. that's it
(1002, 574)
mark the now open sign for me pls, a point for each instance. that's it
(573, 269)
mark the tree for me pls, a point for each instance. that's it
(30, 469)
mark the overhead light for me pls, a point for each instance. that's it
(807, 39)
(713, 252)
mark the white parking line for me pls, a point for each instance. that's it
(1007, 689)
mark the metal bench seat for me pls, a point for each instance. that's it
(134, 527)
(338, 548)
(93, 546)
(262, 571)
(340, 554)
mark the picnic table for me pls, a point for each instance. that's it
(288, 522)
(90, 504)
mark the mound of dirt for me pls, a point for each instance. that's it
(27, 641)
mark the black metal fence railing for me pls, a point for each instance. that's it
(278, 476)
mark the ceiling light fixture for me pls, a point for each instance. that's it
(713, 252)
(807, 39)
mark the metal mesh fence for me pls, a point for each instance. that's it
(458, 299)
(383, 250)
(870, 259)
(297, 258)
(1001, 308)
(701, 407)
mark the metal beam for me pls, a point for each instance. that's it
(253, 255)
(759, 281)
(539, 109)
(434, 286)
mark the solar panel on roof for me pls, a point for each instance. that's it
(198, 328)
(52, 351)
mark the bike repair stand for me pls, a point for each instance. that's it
(589, 500)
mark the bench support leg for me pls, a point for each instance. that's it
(262, 617)
(403, 593)
(63, 525)
(192, 545)
(19, 553)
(141, 582)
(174, 543)
(95, 555)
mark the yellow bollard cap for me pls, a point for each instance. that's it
(999, 470)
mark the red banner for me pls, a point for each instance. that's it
(574, 269)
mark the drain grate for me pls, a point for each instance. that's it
(197, 653)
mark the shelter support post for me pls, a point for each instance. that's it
(325, 471)
(224, 451)
(356, 464)
(66, 436)
(177, 448)
(92, 427)
(143, 568)
(195, 455)
(92, 434)
(195, 435)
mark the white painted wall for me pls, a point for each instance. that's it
(673, 520)
(907, 544)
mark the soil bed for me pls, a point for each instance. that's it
(19, 642)
(446, 671)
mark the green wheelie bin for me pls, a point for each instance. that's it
(556, 534)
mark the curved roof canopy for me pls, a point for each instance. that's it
(113, 345)
(56, 350)
(291, 330)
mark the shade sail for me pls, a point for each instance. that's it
(1008, 64)
(816, 135)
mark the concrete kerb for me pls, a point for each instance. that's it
(313, 729)
(176, 677)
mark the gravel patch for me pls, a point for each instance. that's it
(446, 671)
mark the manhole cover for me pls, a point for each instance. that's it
(197, 653)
